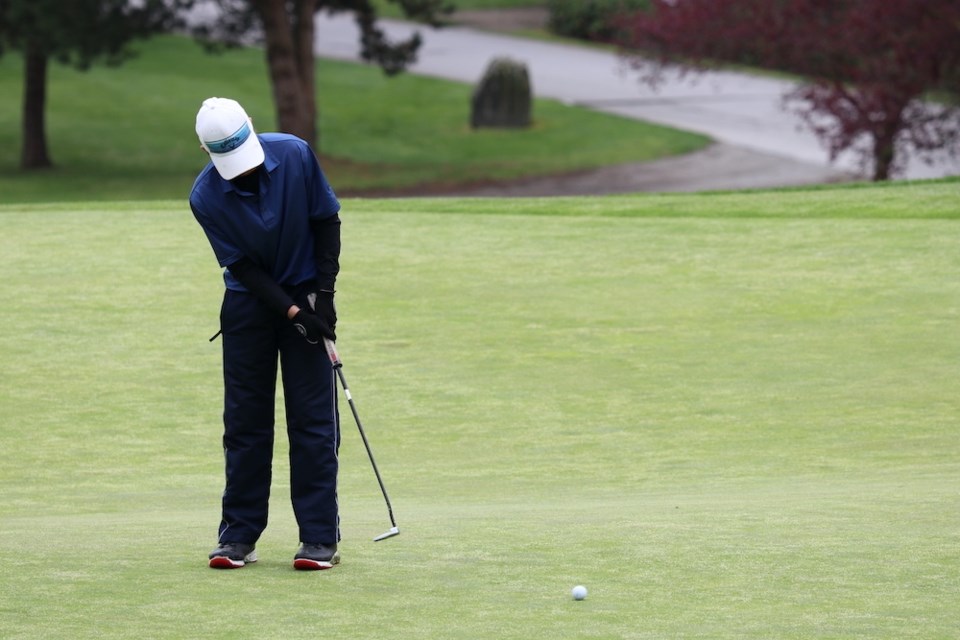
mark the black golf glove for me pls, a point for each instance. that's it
(310, 326)
(326, 310)
(321, 322)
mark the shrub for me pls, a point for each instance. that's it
(589, 19)
(503, 97)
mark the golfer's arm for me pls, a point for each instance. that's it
(326, 245)
(259, 283)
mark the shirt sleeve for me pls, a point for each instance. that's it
(323, 201)
(227, 253)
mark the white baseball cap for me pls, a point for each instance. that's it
(226, 133)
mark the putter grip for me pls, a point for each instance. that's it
(332, 352)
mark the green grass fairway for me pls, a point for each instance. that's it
(728, 415)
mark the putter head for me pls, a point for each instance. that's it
(394, 531)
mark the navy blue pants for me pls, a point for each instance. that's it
(253, 336)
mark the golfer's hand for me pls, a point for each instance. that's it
(326, 311)
(312, 327)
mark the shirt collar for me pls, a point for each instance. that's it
(270, 163)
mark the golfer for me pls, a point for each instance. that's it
(272, 221)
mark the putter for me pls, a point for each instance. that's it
(338, 367)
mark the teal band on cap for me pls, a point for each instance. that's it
(231, 142)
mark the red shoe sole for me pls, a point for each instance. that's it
(223, 562)
(304, 564)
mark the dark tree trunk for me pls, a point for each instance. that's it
(885, 141)
(883, 155)
(303, 35)
(285, 75)
(33, 153)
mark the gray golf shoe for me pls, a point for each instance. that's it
(313, 557)
(232, 555)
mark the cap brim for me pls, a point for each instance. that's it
(240, 160)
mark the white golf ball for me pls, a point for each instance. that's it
(579, 592)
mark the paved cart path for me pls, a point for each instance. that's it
(758, 143)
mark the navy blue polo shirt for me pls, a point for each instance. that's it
(271, 228)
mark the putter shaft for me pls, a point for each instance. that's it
(338, 367)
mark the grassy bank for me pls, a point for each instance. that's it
(127, 133)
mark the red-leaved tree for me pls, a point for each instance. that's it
(867, 68)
